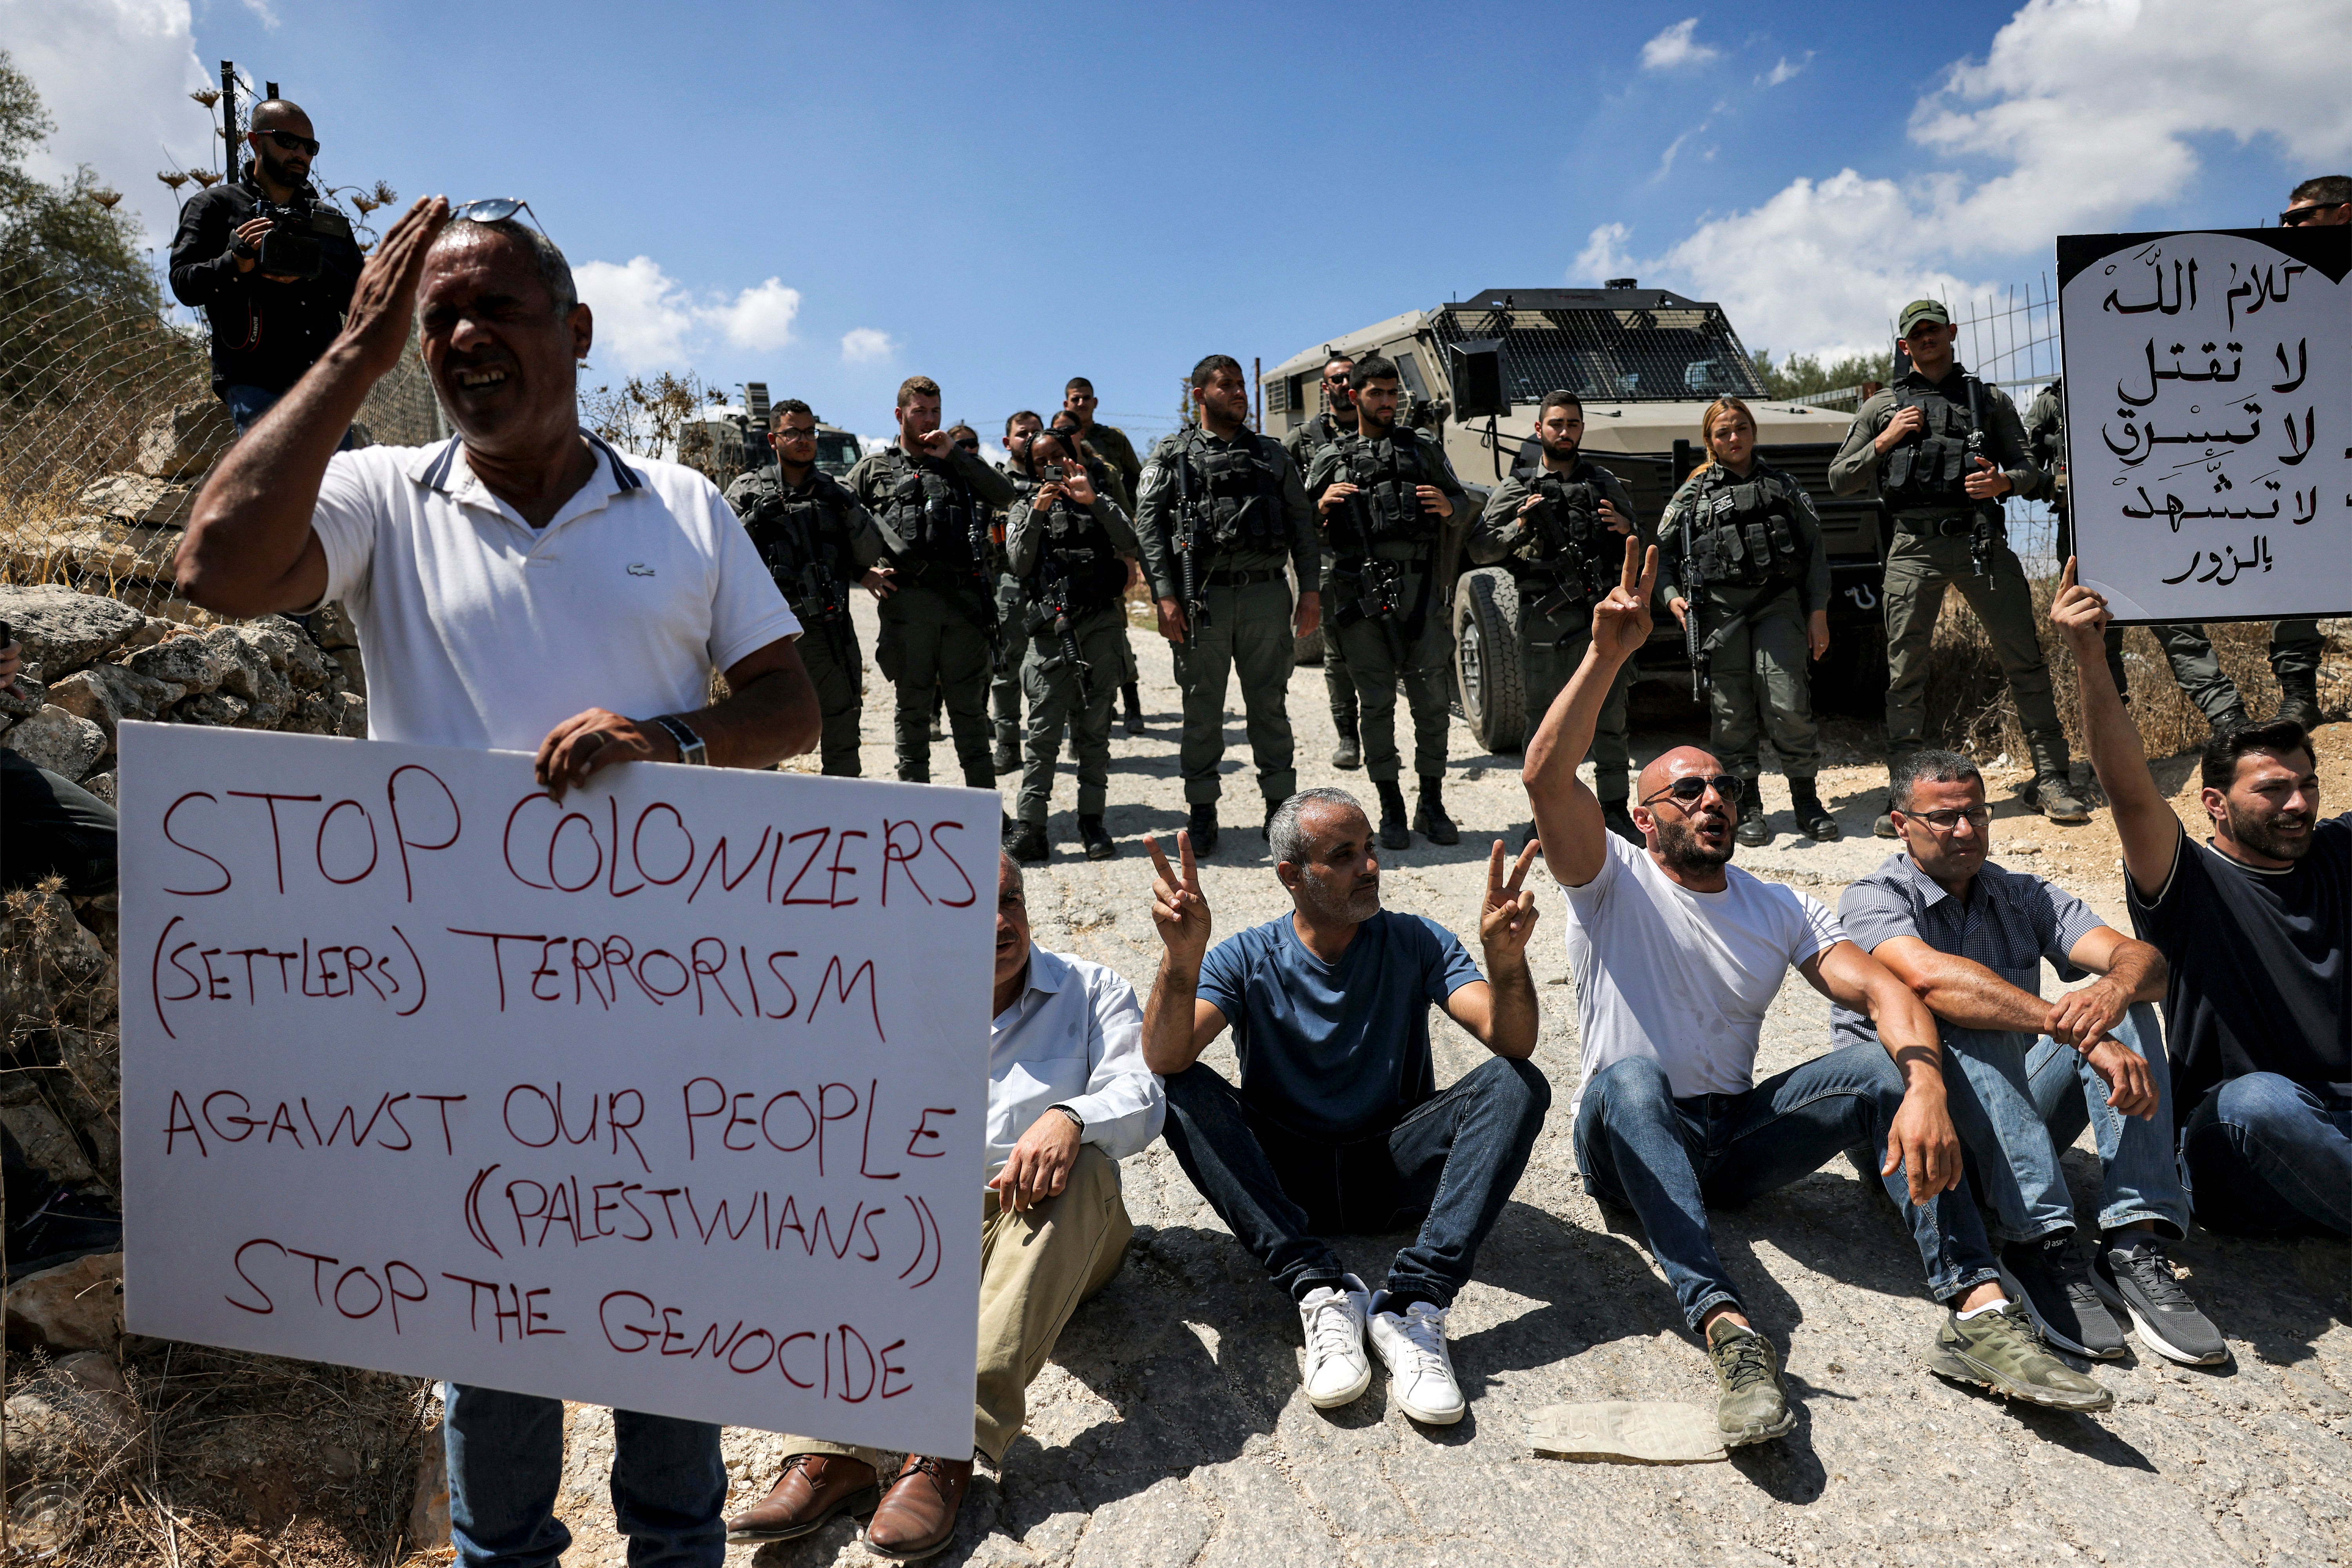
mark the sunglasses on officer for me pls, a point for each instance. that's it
(289, 143)
(1690, 789)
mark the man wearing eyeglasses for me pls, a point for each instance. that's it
(1677, 955)
(268, 328)
(2025, 1076)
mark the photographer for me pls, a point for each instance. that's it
(270, 264)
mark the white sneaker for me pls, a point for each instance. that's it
(1337, 1368)
(1422, 1374)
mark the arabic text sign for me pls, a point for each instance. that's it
(2209, 408)
(670, 1096)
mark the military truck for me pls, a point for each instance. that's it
(726, 440)
(1647, 362)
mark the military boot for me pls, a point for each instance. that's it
(2299, 695)
(1203, 827)
(1350, 752)
(2228, 719)
(1007, 758)
(1395, 833)
(1028, 844)
(1097, 841)
(1753, 830)
(1134, 700)
(1010, 831)
(1429, 819)
(1812, 817)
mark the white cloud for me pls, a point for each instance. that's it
(115, 76)
(1782, 69)
(2082, 113)
(642, 314)
(263, 12)
(865, 346)
(994, 455)
(1674, 47)
(759, 317)
(1667, 162)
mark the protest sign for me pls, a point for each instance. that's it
(2208, 409)
(669, 1096)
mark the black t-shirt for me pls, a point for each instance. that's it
(2260, 979)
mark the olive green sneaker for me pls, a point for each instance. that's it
(2004, 1352)
(1752, 1408)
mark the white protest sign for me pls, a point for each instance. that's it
(2209, 411)
(670, 1096)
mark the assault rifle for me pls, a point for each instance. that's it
(823, 598)
(1986, 525)
(1569, 558)
(1052, 614)
(1693, 595)
(1184, 537)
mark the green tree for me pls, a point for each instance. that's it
(1804, 375)
(60, 234)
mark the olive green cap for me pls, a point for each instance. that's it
(1919, 311)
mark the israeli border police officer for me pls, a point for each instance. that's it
(1004, 681)
(1069, 546)
(1560, 530)
(1929, 446)
(1108, 445)
(1219, 514)
(1740, 547)
(931, 496)
(1338, 416)
(1385, 492)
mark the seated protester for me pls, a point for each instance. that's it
(1068, 1098)
(2026, 1076)
(1676, 957)
(1337, 1123)
(2253, 927)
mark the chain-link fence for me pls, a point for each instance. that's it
(108, 427)
(2010, 340)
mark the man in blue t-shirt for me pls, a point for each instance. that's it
(1337, 1123)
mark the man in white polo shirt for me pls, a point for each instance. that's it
(521, 587)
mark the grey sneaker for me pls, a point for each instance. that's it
(2136, 1279)
(1753, 1407)
(2049, 1279)
(2004, 1352)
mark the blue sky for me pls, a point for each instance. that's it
(1002, 197)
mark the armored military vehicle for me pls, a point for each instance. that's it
(1646, 362)
(724, 439)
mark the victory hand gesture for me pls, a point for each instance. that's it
(1178, 908)
(1620, 623)
(1508, 915)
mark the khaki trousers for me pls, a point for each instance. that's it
(1035, 1266)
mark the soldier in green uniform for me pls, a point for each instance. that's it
(816, 540)
(1068, 542)
(1219, 514)
(1740, 547)
(1339, 416)
(2185, 647)
(1004, 682)
(1109, 443)
(1385, 492)
(1911, 443)
(1553, 527)
(931, 497)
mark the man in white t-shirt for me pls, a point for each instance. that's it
(520, 586)
(1676, 957)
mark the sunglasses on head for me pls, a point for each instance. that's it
(1691, 788)
(289, 143)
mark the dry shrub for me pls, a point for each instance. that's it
(1969, 708)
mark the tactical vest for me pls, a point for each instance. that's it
(1386, 473)
(1930, 468)
(1075, 557)
(800, 539)
(1743, 532)
(1238, 496)
(1569, 541)
(931, 513)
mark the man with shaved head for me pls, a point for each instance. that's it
(267, 327)
(520, 586)
(1676, 956)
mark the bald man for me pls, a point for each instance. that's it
(1677, 956)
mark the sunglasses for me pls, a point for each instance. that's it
(969, 445)
(289, 143)
(495, 210)
(2295, 218)
(1692, 788)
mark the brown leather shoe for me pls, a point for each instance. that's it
(812, 1489)
(917, 1516)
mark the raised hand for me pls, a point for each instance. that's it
(1621, 622)
(383, 300)
(1508, 915)
(1078, 485)
(1178, 908)
(2080, 615)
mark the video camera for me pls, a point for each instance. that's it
(291, 248)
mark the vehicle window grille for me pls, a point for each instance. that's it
(1616, 356)
(1277, 393)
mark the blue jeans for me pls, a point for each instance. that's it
(2265, 1155)
(669, 1488)
(1450, 1164)
(248, 403)
(1667, 1159)
(2018, 1100)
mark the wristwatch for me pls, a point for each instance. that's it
(691, 748)
(1076, 1121)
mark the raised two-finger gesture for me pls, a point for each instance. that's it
(1621, 622)
(383, 300)
(1506, 916)
(1178, 908)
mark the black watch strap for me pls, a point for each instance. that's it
(691, 749)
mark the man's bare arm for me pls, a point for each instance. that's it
(2143, 820)
(248, 549)
(1177, 1025)
(769, 712)
(1959, 990)
(1568, 816)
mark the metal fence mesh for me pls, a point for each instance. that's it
(2010, 340)
(1617, 355)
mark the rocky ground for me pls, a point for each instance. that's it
(1170, 1429)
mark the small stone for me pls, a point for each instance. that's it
(27, 696)
(332, 626)
(76, 1306)
(213, 708)
(185, 661)
(48, 1147)
(184, 440)
(102, 785)
(62, 630)
(61, 741)
(139, 498)
(106, 694)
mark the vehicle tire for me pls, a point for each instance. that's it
(1309, 650)
(1489, 660)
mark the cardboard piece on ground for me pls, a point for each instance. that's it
(1620, 1431)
